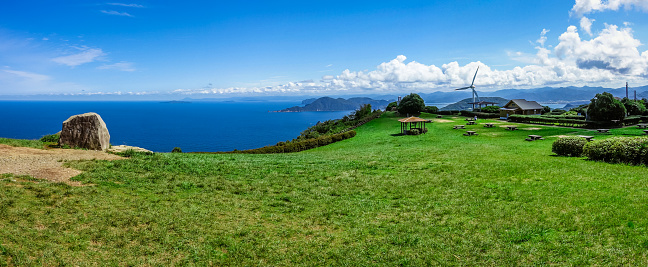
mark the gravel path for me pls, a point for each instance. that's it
(46, 164)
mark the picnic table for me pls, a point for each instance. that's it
(511, 127)
(603, 130)
(489, 125)
(470, 119)
(589, 138)
(645, 132)
(642, 126)
(470, 122)
(439, 116)
(469, 133)
(458, 127)
(533, 137)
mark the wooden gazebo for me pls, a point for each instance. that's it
(408, 124)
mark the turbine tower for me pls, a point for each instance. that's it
(472, 87)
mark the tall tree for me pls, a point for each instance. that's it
(604, 107)
(411, 104)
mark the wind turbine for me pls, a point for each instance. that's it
(472, 86)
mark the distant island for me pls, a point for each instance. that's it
(176, 102)
(336, 104)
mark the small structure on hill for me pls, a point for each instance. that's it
(521, 107)
(413, 123)
(86, 130)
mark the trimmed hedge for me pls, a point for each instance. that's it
(535, 119)
(448, 112)
(630, 150)
(570, 146)
(290, 147)
(482, 115)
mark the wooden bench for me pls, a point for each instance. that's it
(589, 138)
(511, 128)
(489, 125)
(469, 133)
(439, 116)
(603, 130)
(459, 127)
(535, 137)
(470, 123)
(642, 126)
(645, 132)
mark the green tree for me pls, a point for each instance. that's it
(362, 112)
(431, 109)
(392, 105)
(490, 109)
(545, 109)
(411, 104)
(604, 107)
(633, 107)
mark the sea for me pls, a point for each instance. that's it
(161, 126)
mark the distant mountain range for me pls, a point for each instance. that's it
(336, 104)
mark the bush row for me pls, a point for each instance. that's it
(448, 112)
(571, 146)
(482, 115)
(630, 150)
(545, 120)
(290, 147)
(364, 120)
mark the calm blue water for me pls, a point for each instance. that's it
(197, 126)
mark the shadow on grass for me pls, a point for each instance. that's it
(398, 134)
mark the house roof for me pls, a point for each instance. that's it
(524, 105)
(412, 119)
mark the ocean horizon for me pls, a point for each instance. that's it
(161, 126)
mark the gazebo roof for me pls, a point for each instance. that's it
(413, 119)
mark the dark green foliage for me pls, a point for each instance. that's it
(413, 132)
(52, 138)
(604, 107)
(411, 104)
(629, 150)
(482, 115)
(633, 107)
(392, 105)
(557, 112)
(357, 118)
(545, 109)
(176, 150)
(582, 109)
(297, 146)
(491, 109)
(571, 146)
(431, 109)
(570, 121)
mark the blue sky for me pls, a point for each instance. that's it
(233, 48)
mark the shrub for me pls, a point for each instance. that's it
(431, 109)
(414, 132)
(633, 107)
(52, 138)
(176, 150)
(490, 109)
(571, 146)
(630, 150)
(557, 112)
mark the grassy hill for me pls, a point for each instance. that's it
(376, 199)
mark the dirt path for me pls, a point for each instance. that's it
(46, 164)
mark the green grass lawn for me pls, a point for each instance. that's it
(379, 198)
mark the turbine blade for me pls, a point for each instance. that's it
(463, 88)
(473, 82)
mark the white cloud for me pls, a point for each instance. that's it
(116, 13)
(28, 75)
(543, 37)
(582, 7)
(86, 56)
(121, 66)
(586, 25)
(125, 5)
